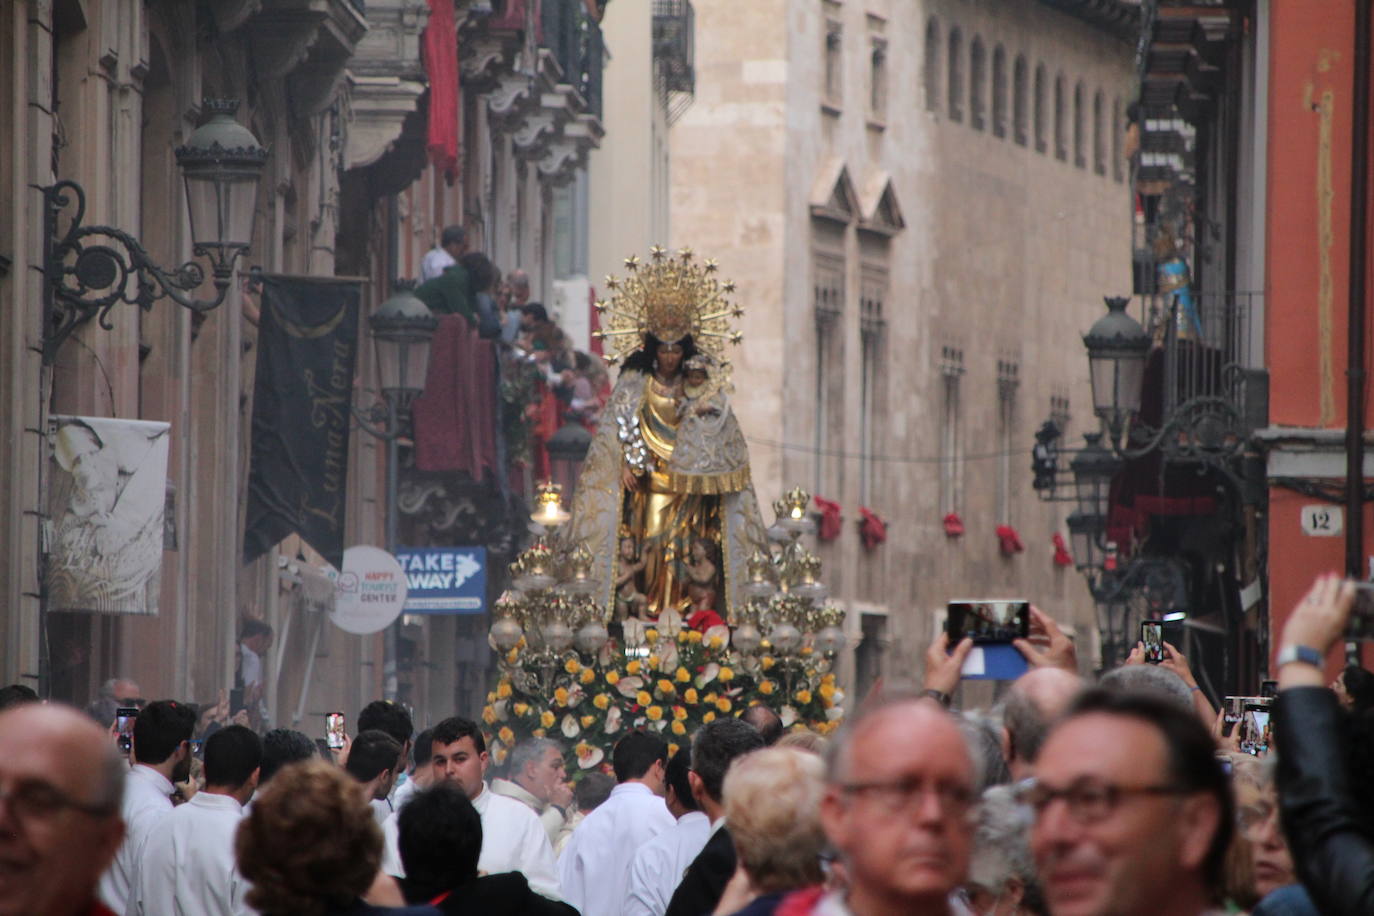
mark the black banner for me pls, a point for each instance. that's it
(302, 397)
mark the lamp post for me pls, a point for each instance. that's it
(1117, 347)
(88, 270)
(402, 330)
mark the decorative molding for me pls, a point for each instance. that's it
(380, 106)
(282, 40)
(230, 15)
(510, 100)
(485, 59)
(833, 196)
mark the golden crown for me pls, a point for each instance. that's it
(670, 297)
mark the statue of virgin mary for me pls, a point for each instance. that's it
(668, 465)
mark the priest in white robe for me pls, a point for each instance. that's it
(659, 864)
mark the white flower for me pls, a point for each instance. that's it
(612, 721)
(707, 675)
(590, 757)
(570, 727)
(629, 686)
(788, 716)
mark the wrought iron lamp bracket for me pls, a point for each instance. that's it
(83, 280)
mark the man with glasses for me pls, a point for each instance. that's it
(1133, 812)
(898, 808)
(60, 786)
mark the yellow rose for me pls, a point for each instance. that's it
(679, 728)
(654, 713)
(726, 674)
(709, 717)
(672, 749)
(710, 698)
(827, 691)
(571, 666)
(587, 721)
(682, 675)
(633, 667)
(829, 678)
(643, 698)
(546, 719)
(512, 656)
(766, 688)
(651, 636)
(612, 676)
(500, 755)
(560, 696)
(681, 635)
(538, 733)
(488, 715)
(582, 749)
(679, 713)
(521, 708)
(503, 690)
(506, 735)
(694, 636)
(601, 701)
(588, 675)
(690, 695)
(665, 687)
(716, 642)
(806, 650)
(723, 704)
(766, 662)
(491, 698)
(653, 661)
(803, 696)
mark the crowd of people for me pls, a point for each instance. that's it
(545, 381)
(1124, 796)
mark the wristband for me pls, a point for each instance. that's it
(1303, 655)
(1195, 687)
(938, 696)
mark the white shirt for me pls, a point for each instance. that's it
(512, 840)
(186, 867)
(594, 871)
(402, 793)
(381, 809)
(250, 667)
(549, 815)
(657, 868)
(434, 263)
(147, 799)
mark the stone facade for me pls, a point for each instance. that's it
(917, 259)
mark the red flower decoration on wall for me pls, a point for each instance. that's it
(954, 525)
(1008, 540)
(1062, 557)
(872, 529)
(830, 519)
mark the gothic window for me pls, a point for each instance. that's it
(1099, 136)
(978, 84)
(1080, 157)
(999, 92)
(951, 432)
(1018, 101)
(1041, 88)
(1118, 131)
(873, 291)
(1007, 382)
(955, 83)
(834, 62)
(828, 265)
(1061, 127)
(932, 65)
(877, 79)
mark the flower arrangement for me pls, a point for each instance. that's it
(674, 687)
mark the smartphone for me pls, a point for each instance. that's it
(1269, 689)
(1254, 737)
(987, 620)
(1361, 624)
(334, 730)
(124, 726)
(1152, 635)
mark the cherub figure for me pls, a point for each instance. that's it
(629, 600)
(701, 575)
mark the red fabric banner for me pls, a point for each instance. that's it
(440, 51)
(455, 418)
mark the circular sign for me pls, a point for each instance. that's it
(369, 593)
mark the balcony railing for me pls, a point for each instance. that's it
(576, 42)
(675, 55)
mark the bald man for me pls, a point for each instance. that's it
(60, 787)
(897, 809)
(1034, 702)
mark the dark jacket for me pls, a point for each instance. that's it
(505, 894)
(705, 879)
(1334, 857)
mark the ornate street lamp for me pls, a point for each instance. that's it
(1093, 469)
(88, 270)
(1084, 531)
(403, 329)
(1117, 347)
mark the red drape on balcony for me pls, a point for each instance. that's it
(455, 419)
(440, 52)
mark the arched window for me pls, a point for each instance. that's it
(1118, 130)
(1080, 156)
(1041, 108)
(1061, 127)
(1018, 100)
(954, 84)
(1099, 136)
(978, 84)
(999, 92)
(932, 65)
(877, 80)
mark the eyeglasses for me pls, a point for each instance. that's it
(1088, 801)
(39, 801)
(1249, 817)
(904, 794)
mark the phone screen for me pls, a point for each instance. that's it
(1152, 635)
(1235, 710)
(334, 730)
(124, 726)
(988, 621)
(1255, 736)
